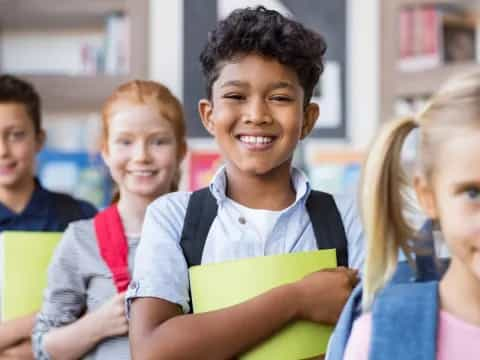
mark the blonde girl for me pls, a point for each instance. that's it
(143, 143)
(430, 320)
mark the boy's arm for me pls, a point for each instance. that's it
(156, 329)
(21, 351)
(15, 331)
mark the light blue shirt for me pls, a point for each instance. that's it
(161, 270)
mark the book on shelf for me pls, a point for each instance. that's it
(103, 49)
(433, 35)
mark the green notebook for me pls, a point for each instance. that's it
(216, 286)
(26, 256)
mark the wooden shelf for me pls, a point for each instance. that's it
(51, 14)
(463, 3)
(64, 93)
(395, 83)
(72, 93)
(428, 81)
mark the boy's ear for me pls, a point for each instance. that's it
(310, 116)
(40, 138)
(426, 196)
(205, 108)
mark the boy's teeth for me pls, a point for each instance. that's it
(256, 139)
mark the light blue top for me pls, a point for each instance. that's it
(161, 270)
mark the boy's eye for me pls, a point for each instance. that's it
(16, 135)
(234, 96)
(281, 98)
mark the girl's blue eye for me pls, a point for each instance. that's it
(123, 142)
(161, 141)
(473, 193)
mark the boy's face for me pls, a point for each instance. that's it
(18, 145)
(256, 114)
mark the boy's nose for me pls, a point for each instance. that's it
(257, 113)
(4, 148)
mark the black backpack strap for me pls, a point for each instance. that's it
(201, 211)
(327, 224)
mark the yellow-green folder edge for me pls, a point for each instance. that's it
(216, 286)
(26, 256)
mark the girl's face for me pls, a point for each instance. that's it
(453, 197)
(141, 151)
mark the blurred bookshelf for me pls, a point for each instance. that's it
(74, 52)
(422, 44)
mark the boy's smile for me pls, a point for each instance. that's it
(18, 146)
(256, 114)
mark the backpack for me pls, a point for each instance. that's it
(202, 209)
(404, 322)
(429, 270)
(113, 245)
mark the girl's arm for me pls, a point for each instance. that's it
(76, 339)
(156, 329)
(15, 331)
(62, 330)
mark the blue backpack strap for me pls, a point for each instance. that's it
(351, 311)
(404, 322)
(327, 224)
(201, 211)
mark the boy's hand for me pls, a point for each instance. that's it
(111, 317)
(323, 294)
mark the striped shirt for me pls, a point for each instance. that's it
(79, 282)
(162, 271)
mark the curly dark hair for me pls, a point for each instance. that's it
(267, 33)
(15, 90)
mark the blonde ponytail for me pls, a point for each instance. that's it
(382, 199)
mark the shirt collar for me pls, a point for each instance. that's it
(299, 180)
(37, 205)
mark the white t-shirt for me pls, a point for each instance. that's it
(262, 220)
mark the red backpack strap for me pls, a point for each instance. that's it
(113, 245)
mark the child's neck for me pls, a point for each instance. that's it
(460, 293)
(16, 198)
(272, 191)
(132, 212)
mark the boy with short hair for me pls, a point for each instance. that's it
(24, 203)
(261, 69)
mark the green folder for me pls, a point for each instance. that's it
(26, 256)
(216, 286)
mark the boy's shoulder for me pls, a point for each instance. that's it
(69, 207)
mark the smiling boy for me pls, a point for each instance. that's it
(24, 203)
(260, 69)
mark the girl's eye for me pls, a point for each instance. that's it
(161, 141)
(123, 142)
(473, 193)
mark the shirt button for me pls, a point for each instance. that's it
(242, 220)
